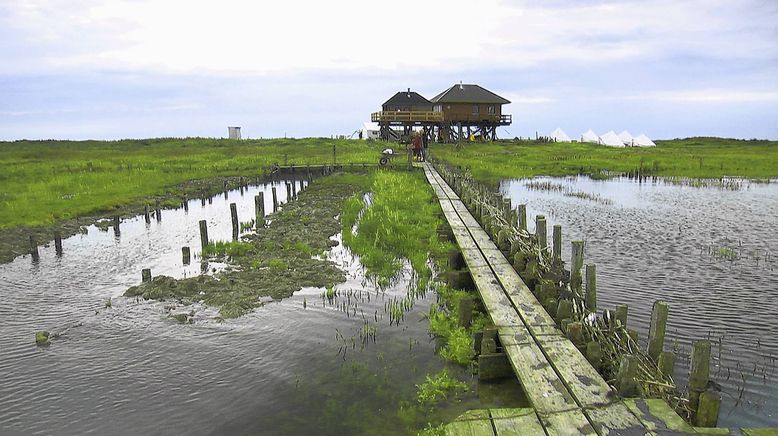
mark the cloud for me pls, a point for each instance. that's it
(709, 96)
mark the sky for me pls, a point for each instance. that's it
(110, 69)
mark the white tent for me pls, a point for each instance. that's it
(370, 131)
(643, 141)
(626, 138)
(590, 136)
(611, 139)
(559, 135)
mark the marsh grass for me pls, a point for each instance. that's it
(43, 182)
(232, 249)
(439, 387)
(711, 158)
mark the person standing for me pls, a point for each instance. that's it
(424, 143)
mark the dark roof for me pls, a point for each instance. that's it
(460, 93)
(407, 98)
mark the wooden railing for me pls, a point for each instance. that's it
(424, 116)
(406, 116)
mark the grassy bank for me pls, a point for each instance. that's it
(43, 182)
(693, 157)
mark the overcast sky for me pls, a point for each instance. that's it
(108, 69)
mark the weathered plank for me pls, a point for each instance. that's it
(470, 428)
(583, 381)
(542, 385)
(657, 416)
(510, 422)
(615, 419)
(571, 422)
(496, 303)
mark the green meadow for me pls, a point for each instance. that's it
(692, 157)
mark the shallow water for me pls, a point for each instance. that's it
(289, 367)
(652, 240)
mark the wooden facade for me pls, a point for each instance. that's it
(460, 112)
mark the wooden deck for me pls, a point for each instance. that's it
(567, 394)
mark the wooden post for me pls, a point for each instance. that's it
(465, 311)
(541, 232)
(699, 371)
(708, 410)
(625, 378)
(235, 222)
(158, 212)
(275, 199)
(259, 210)
(294, 188)
(621, 314)
(591, 287)
(288, 192)
(576, 263)
(145, 275)
(203, 234)
(564, 310)
(657, 328)
(575, 333)
(594, 354)
(34, 248)
(116, 222)
(522, 211)
(148, 216)
(58, 243)
(557, 243)
(667, 363)
(506, 208)
(185, 255)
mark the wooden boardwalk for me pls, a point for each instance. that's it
(567, 394)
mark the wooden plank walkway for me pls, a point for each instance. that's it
(567, 394)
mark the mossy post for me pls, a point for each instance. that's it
(203, 234)
(275, 199)
(288, 191)
(147, 215)
(622, 311)
(506, 208)
(591, 288)
(541, 232)
(625, 378)
(576, 263)
(465, 315)
(564, 310)
(186, 255)
(259, 210)
(522, 211)
(657, 328)
(58, 243)
(145, 275)
(667, 363)
(594, 354)
(235, 222)
(699, 371)
(557, 247)
(708, 410)
(34, 248)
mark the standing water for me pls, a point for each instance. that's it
(304, 365)
(712, 253)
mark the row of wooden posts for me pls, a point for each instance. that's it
(562, 294)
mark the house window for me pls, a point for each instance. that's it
(475, 109)
(438, 108)
(491, 109)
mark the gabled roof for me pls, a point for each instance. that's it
(460, 93)
(407, 98)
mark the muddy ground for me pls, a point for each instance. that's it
(274, 262)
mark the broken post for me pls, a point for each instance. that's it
(116, 222)
(621, 314)
(591, 287)
(699, 371)
(666, 363)
(147, 215)
(145, 275)
(58, 243)
(657, 328)
(275, 199)
(557, 249)
(203, 234)
(522, 211)
(294, 188)
(34, 248)
(576, 263)
(708, 410)
(186, 255)
(627, 386)
(465, 311)
(288, 191)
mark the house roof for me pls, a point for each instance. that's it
(460, 93)
(407, 98)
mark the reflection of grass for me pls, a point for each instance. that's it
(693, 157)
(45, 181)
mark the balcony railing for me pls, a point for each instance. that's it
(437, 117)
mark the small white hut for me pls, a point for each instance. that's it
(233, 132)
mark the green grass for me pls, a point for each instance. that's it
(458, 341)
(43, 182)
(231, 249)
(693, 157)
(438, 387)
(400, 224)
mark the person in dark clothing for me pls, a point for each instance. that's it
(424, 141)
(417, 145)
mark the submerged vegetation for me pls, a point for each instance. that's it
(712, 158)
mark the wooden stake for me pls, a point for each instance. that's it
(288, 192)
(667, 363)
(522, 211)
(116, 222)
(465, 315)
(621, 314)
(275, 199)
(34, 248)
(557, 237)
(699, 371)
(591, 287)
(58, 243)
(708, 410)
(148, 216)
(541, 232)
(576, 263)
(259, 210)
(145, 275)
(657, 328)
(627, 386)
(203, 234)
(235, 222)
(185, 255)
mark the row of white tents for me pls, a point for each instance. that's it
(623, 139)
